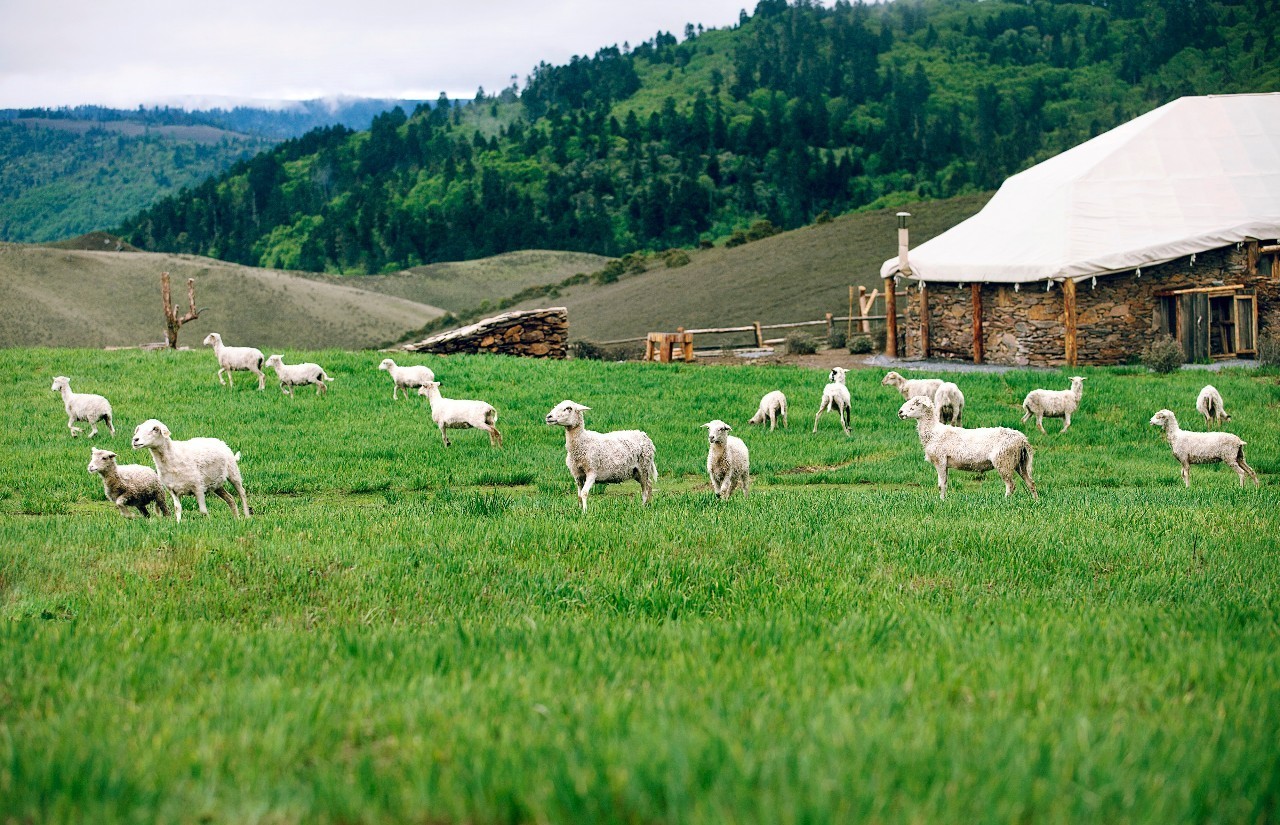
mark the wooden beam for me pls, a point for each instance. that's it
(1071, 344)
(890, 319)
(924, 321)
(975, 290)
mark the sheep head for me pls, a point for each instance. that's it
(150, 433)
(274, 361)
(837, 375)
(917, 407)
(60, 383)
(1164, 418)
(101, 460)
(212, 339)
(566, 414)
(717, 431)
(892, 379)
(386, 364)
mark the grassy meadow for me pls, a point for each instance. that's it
(405, 633)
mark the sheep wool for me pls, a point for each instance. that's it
(1203, 448)
(835, 398)
(83, 406)
(298, 375)
(1006, 451)
(949, 402)
(128, 485)
(402, 378)
(1053, 403)
(1209, 404)
(603, 458)
(728, 461)
(910, 388)
(459, 414)
(235, 359)
(192, 467)
(773, 405)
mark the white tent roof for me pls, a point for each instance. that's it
(1196, 174)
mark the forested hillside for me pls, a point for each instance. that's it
(796, 110)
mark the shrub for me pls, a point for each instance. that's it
(675, 258)
(835, 339)
(861, 345)
(611, 272)
(738, 238)
(879, 338)
(1163, 355)
(762, 229)
(800, 343)
(586, 351)
(824, 217)
(1269, 349)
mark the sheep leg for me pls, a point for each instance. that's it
(161, 507)
(1242, 463)
(1007, 478)
(222, 493)
(200, 505)
(262, 378)
(1040, 422)
(784, 419)
(221, 370)
(821, 410)
(443, 436)
(586, 488)
(942, 481)
(71, 422)
(746, 485)
(320, 387)
(844, 419)
(93, 428)
(1066, 424)
(495, 437)
(1186, 473)
(238, 483)
(142, 508)
(1026, 413)
(123, 507)
(773, 420)
(177, 506)
(110, 425)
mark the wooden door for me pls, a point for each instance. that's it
(1246, 307)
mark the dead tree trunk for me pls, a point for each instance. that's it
(172, 322)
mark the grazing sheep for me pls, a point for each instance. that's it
(1053, 404)
(1209, 404)
(298, 375)
(605, 458)
(235, 359)
(728, 462)
(949, 402)
(1006, 451)
(835, 396)
(1203, 448)
(457, 414)
(83, 406)
(402, 378)
(191, 467)
(771, 406)
(128, 485)
(910, 388)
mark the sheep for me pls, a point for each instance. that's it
(910, 388)
(1203, 448)
(402, 378)
(771, 406)
(83, 406)
(1006, 451)
(128, 485)
(728, 462)
(457, 414)
(298, 375)
(835, 396)
(949, 402)
(233, 359)
(1053, 403)
(191, 467)
(1209, 404)
(606, 458)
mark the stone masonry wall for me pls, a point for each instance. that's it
(537, 333)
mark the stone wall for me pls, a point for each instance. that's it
(1116, 317)
(535, 333)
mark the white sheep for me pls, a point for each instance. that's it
(835, 396)
(910, 388)
(773, 404)
(402, 378)
(191, 467)
(605, 458)
(949, 403)
(459, 414)
(298, 375)
(83, 406)
(1203, 448)
(1006, 451)
(1209, 404)
(235, 359)
(1053, 403)
(128, 485)
(728, 462)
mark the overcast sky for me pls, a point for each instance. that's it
(130, 52)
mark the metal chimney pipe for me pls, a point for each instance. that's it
(904, 266)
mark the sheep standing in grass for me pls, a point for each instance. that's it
(1006, 451)
(1209, 404)
(191, 467)
(728, 462)
(910, 388)
(774, 404)
(835, 396)
(1203, 448)
(402, 378)
(457, 414)
(83, 406)
(606, 458)
(298, 375)
(236, 359)
(128, 485)
(1053, 404)
(949, 403)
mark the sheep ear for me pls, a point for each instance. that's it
(706, 426)
(580, 407)
(727, 427)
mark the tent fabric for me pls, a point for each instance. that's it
(1196, 174)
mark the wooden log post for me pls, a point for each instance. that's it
(1070, 319)
(976, 293)
(172, 322)
(759, 334)
(890, 319)
(848, 332)
(924, 321)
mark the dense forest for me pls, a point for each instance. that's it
(797, 110)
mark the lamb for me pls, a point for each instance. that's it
(728, 462)
(771, 406)
(1203, 448)
(191, 467)
(910, 388)
(298, 375)
(83, 406)
(128, 485)
(949, 402)
(403, 378)
(233, 359)
(1006, 451)
(1053, 404)
(835, 396)
(607, 458)
(457, 414)
(1209, 404)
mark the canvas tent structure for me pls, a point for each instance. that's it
(1193, 176)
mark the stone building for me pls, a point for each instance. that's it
(1166, 224)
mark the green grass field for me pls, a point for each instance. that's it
(404, 633)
